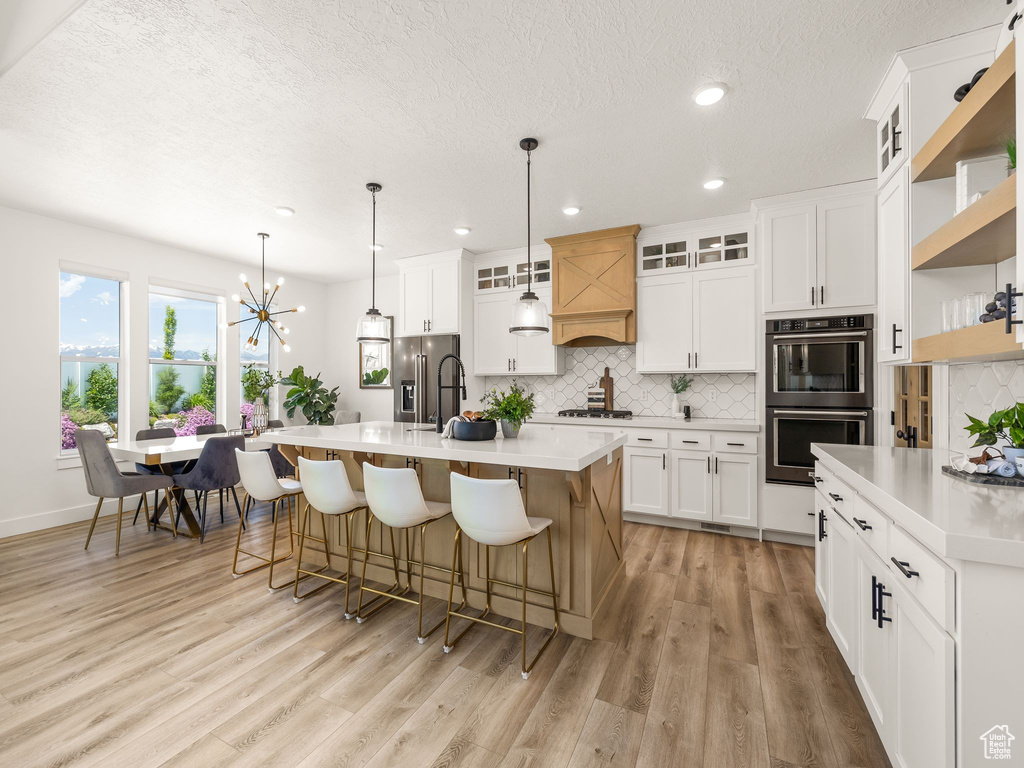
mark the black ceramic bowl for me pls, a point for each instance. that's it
(474, 430)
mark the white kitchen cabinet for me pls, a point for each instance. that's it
(874, 641)
(645, 481)
(892, 338)
(841, 616)
(702, 321)
(735, 489)
(724, 325)
(511, 273)
(790, 258)
(923, 695)
(821, 553)
(819, 254)
(429, 295)
(498, 352)
(665, 316)
(846, 252)
(707, 247)
(691, 496)
(891, 135)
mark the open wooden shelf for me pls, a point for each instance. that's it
(976, 126)
(988, 341)
(983, 233)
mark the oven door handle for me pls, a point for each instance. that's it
(862, 414)
(848, 334)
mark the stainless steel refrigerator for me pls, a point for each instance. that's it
(415, 362)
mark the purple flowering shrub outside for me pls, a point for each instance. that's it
(67, 432)
(246, 410)
(192, 418)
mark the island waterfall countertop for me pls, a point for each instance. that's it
(953, 518)
(650, 422)
(539, 446)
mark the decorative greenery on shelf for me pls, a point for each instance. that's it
(515, 406)
(308, 394)
(1010, 145)
(681, 383)
(1005, 425)
(375, 378)
(256, 382)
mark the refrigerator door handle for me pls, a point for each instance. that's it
(416, 388)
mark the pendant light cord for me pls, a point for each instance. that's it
(373, 256)
(529, 261)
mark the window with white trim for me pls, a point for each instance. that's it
(91, 349)
(183, 335)
(259, 356)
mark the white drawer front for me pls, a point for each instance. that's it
(685, 440)
(647, 438)
(872, 526)
(931, 582)
(731, 442)
(822, 476)
(840, 497)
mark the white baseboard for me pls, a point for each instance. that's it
(734, 530)
(784, 537)
(59, 517)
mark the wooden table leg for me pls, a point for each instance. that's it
(181, 501)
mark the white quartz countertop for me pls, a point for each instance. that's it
(651, 422)
(953, 518)
(540, 446)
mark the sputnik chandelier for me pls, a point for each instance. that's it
(259, 309)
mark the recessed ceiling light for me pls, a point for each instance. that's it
(376, 246)
(572, 210)
(462, 230)
(283, 210)
(713, 183)
(709, 94)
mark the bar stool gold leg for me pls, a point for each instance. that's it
(265, 562)
(273, 544)
(301, 574)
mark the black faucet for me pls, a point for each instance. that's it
(439, 419)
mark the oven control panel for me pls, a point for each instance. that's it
(819, 323)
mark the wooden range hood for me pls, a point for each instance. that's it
(594, 288)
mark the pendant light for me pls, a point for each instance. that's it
(529, 316)
(373, 327)
(259, 308)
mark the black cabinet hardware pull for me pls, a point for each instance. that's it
(709, 465)
(1010, 296)
(738, 445)
(896, 141)
(812, 295)
(874, 598)
(904, 567)
(817, 479)
(810, 514)
(821, 303)
(716, 465)
(835, 497)
(663, 460)
(691, 442)
(645, 439)
(821, 525)
(510, 363)
(513, 363)
(688, 360)
(895, 330)
(882, 618)
(863, 525)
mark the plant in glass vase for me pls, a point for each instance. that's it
(511, 408)
(679, 385)
(256, 385)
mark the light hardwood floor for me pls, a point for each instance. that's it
(718, 657)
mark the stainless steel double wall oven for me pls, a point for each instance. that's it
(820, 389)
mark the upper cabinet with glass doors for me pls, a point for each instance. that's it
(701, 249)
(891, 136)
(513, 273)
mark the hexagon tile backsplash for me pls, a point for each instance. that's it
(979, 389)
(733, 393)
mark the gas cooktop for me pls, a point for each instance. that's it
(601, 413)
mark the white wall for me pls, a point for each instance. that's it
(346, 302)
(32, 249)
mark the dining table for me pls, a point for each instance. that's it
(163, 453)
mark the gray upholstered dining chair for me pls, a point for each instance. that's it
(105, 481)
(282, 467)
(275, 424)
(347, 417)
(216, 469)
(211, 429)
(154, 469)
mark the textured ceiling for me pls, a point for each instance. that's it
(187, 122)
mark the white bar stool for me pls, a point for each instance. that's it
(328, 491)
(262, 484)
(396, 500)
(491, 512)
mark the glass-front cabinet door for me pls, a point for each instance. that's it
(491, 278)
(671, 255)
(541, 273)
(723, 249)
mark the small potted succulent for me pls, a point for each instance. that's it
(1006, 425)
(511, 408)
(679, 385)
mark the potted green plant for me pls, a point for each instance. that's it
(308, 394)
(511, 408)
(679, 385)
(256, 384)
(1006, 425)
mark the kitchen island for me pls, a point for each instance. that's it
(567, 474)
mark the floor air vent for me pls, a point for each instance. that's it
(715, 527)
